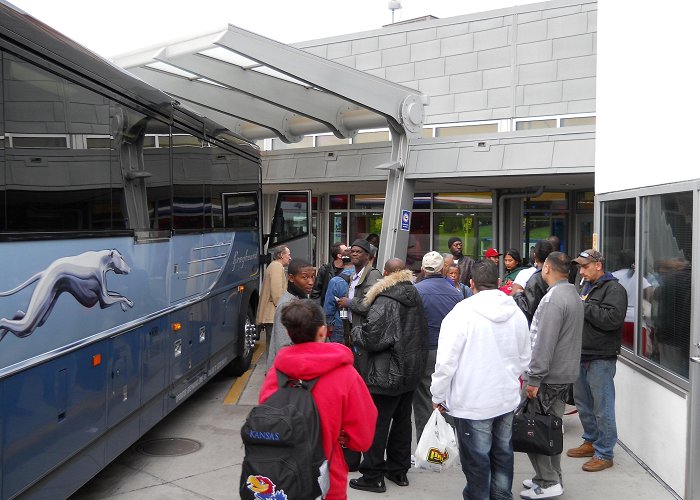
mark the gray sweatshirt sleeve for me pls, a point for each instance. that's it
(544, 332)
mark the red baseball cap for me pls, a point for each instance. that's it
(492, 252)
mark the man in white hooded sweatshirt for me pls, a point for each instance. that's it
(483, 348)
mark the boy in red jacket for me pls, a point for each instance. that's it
(345, 407)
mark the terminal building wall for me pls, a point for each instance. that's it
(527, 61)
(511, 107)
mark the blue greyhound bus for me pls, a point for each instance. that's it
(130, 245)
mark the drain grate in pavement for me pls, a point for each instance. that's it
(168, 447)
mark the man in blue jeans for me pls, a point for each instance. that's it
(484, 346)
(604, 309)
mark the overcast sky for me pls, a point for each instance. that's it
(111, 28)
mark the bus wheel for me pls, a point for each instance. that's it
(246, 344)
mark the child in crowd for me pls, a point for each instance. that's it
(301, 276)
(453, 274)
(345, 408)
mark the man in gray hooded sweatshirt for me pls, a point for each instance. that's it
(555, 333)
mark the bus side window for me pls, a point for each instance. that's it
(61, 167)
(241, 210)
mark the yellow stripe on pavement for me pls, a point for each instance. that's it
(234, 393)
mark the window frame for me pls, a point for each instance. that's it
(557, 118)
(12, 136)
(429, 131)
(643, 365)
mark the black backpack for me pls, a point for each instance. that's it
(283, 448)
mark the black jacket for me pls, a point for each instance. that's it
(604, 308)
(393, 338)
(528, 300)
(465, 269)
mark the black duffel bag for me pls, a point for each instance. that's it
(535, 431)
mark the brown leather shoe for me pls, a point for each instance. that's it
(596, 464)
(585, 450)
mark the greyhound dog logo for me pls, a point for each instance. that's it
(84, 276)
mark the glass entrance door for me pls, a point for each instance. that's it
(583, 235)
(291, 223)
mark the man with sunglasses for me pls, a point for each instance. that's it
(604, 309)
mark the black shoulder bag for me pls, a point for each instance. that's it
(535, 431)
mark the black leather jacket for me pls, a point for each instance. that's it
(393, 338)
(532, 294)
(323, 277)
(604, 308)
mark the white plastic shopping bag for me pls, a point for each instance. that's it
(324, 479)
(437, 448)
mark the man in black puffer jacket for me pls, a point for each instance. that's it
(393, 339)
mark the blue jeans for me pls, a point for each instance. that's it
(486, 452)
(594, 393)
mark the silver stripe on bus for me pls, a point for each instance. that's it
(202, 274)
(216, 257)
(213, 246)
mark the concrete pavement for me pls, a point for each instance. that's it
(213, 471)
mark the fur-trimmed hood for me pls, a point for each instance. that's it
(392, 340)
(388, 286)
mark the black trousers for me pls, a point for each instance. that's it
(392, 435)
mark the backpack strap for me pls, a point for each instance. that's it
(283, 379)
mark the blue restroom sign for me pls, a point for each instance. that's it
(405, 220)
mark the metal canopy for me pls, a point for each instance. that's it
(262, 88)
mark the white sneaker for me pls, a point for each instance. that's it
(538, 492)
(529, 484)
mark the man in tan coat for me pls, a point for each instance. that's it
(274, 285)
